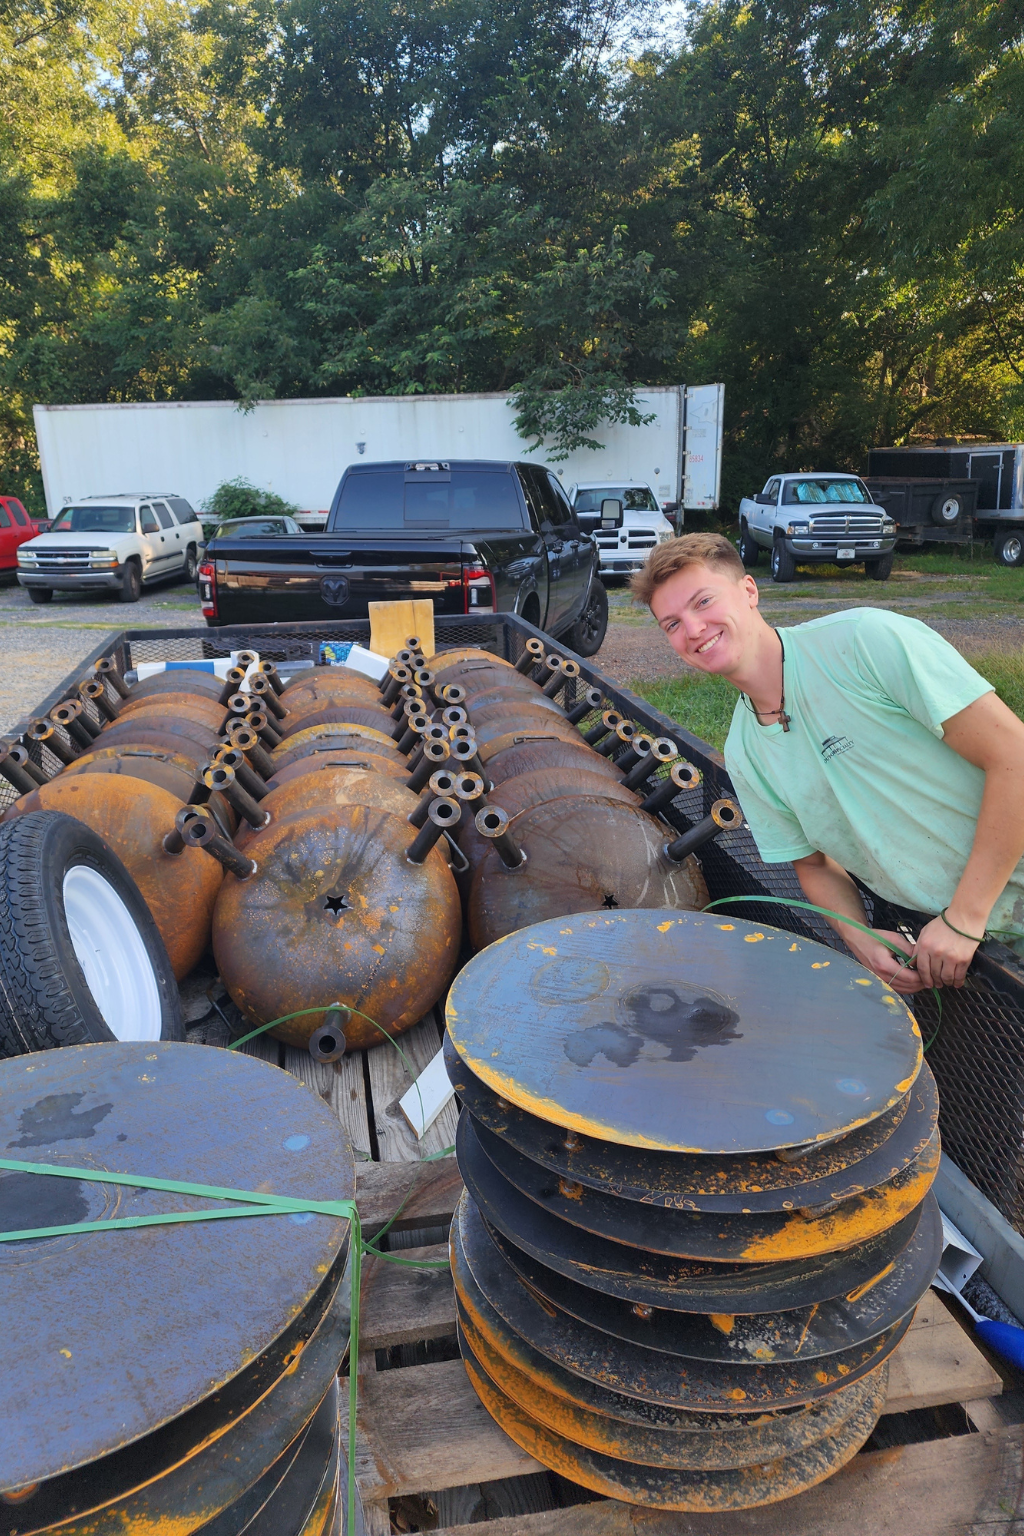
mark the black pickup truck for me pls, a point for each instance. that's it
(474, 535)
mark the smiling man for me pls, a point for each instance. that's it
(862, 743)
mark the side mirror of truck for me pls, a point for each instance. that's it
(611, 512)
(764, 499)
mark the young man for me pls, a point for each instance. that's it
(860, 742)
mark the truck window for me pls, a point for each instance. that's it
(5, 521)
(164, 514)
(772, 490)
(17, 511)
(386, 499)
(551, 507)
(634, 498)
(181, 509)
(821, 490)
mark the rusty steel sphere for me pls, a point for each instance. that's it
(337, 714)
(189, 680)
(184, 706)
(489, 692)
(539, 788)
(325, 791)
(335, 738)
(168, 770)
(134, 816)
(443, 661)
(335, 912)
(583, 854)
(533, 755)
(308, 704)
(515, 727)
(317, 762)
(160, 740)
(329, 683)
(167, 725)
(536, 706)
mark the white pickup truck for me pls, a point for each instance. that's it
(816, 517)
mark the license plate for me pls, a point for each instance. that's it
(846, 554)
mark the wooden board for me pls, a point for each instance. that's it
(389, 1080)
(391, 625)
(402, 1306)
(411, 1460)
(966, 1486)
(427, 1192)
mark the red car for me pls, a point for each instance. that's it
(16, 528)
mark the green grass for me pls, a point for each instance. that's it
(703, 705)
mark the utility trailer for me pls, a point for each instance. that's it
(944, 1458)
(954, 494)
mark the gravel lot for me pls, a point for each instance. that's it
(41, 645)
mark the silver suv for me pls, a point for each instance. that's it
(121, 543)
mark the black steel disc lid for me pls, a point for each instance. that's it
(119, 1332)
(683, 1031)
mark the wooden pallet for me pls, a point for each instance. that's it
(423, 1431)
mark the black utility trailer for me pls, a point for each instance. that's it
(953, 494)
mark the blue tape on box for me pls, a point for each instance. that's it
(335, 653)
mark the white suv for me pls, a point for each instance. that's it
(621, 550)
(121, 543)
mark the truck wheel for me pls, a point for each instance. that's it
(1008, 547)
(131, 584)
(946, 510)
(586, 636)
(81, 959)
(783, 563)
(880, 569)
(750, 551)
(40, 594)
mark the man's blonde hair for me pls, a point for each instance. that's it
(677, 555)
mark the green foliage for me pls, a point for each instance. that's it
(818, 203)
(700, 702)
(237, 498)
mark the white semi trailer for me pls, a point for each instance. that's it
(300, 448)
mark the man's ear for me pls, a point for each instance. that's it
(753, 595)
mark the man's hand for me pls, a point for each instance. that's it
(889, 967)
(942, 956)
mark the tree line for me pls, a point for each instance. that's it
(817, 201)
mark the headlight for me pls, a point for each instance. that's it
(24, 558)
(888, 527)
(797, 528)
(663, 538)
(103, 557)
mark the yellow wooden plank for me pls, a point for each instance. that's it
(392, 624)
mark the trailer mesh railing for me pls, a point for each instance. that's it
(976, 1043)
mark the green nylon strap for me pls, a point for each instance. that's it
(259, 1205)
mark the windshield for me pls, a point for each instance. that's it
(393, 499)
(255, 527)
(821, 491)
(95, 520)
(634, 498)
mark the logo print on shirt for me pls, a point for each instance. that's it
(834, 746)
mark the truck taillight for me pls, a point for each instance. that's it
(206, 581)
(478, 594)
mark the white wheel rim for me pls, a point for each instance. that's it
(950, 510)
(1012, 549)
(112, 953)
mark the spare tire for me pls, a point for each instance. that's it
(946, 509)
(81, 960)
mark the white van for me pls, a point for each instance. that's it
(622, 550)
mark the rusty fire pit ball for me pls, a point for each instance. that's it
(184, 680)
(335, 910)
(341, 713)
(318, 762)
(584, 853)
(542, 752)
(518, 794)
(240, 1403)
(134, 816)
(444, 661)
(186, 706)
(325, 792)
(335, 738)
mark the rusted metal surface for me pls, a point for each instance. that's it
(168, 770)
(133, 816)
(70, 1374)
(138, 728)
(335, 714)
(333, 787)
(518, 794)
(742, 1488)
(327, 761)
(696, 1020)
(584, 853)
(522, 725)
(779, 1435)
(867, 1156)
(443, 661)
(633, 1369)
(181, 680)
(331, 738)
(751, 1338)
(186, 706)
(335, 912)
(542, 753)
(761, 1237)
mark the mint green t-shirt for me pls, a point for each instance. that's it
(863, 773)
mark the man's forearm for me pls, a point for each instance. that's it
(827, 884)
(995, 852)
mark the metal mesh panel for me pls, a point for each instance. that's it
(976, 1049)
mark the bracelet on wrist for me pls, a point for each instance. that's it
(973, 938)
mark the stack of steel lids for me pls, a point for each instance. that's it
(175, 1377)
(698, 1156)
